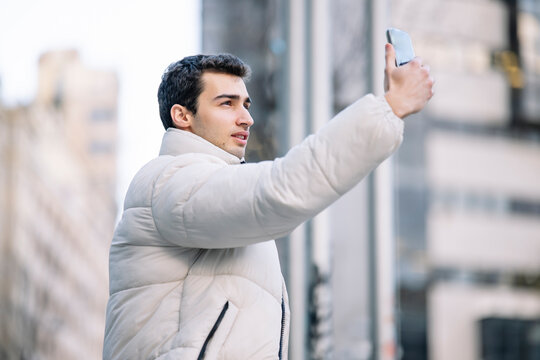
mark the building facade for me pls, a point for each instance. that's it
(463, 189)
(58, 157)
(468, 195)
(304, 71)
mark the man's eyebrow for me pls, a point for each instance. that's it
(232, 97)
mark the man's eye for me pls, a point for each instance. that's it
(247, 106)
(228, 103)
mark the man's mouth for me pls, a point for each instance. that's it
(242, 135)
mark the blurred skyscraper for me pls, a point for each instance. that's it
(468, 183)
(466, 198)
(309, 60)
(57, 184)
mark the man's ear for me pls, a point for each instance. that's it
(181, 117)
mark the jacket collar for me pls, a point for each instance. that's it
(178, 142)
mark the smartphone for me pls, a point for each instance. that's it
(402, 44)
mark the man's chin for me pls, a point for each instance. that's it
(238, 153)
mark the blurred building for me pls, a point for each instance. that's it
(468, 183)
(58, 160)
(450, 268)
(309, 60)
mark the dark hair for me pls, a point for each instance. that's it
(181, 82)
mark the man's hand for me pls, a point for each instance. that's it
(408, 87)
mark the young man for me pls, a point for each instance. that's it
(194, 271)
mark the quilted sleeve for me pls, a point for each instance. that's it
(221, 206)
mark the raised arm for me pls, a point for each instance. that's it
(231, 206)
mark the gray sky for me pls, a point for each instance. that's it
(137, 39)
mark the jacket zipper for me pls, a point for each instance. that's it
(282, 329)
(213, 330)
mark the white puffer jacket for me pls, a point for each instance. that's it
(194, 272)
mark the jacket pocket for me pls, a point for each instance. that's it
(219, 332)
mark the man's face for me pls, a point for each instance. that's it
(223, 116)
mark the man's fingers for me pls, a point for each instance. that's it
(390, 54)
(417, 61)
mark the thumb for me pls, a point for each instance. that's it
(390, 55)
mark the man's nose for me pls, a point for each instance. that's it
(245, 119)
